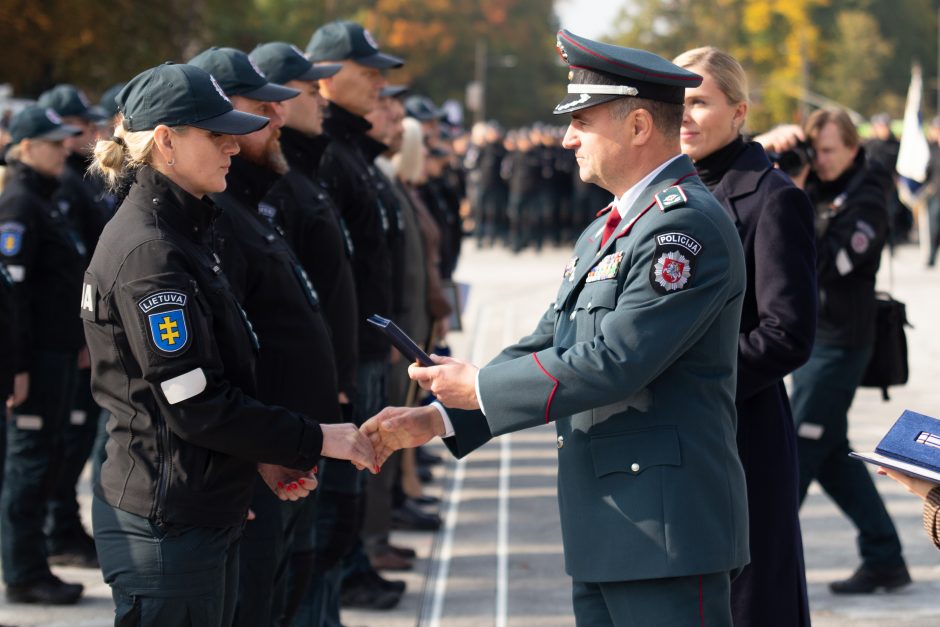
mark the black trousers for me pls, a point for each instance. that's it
(169, 575)
(33, 465)
(823, 390)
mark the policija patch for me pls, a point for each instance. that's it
(673, 262)
(166, 321)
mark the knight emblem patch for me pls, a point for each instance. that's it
(570, 268)
(167, 321)
(607, 268)
(11, 238)
(673, 262)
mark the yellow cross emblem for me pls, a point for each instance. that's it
(169, 333)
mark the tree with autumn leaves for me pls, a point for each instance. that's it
(856, 53)
(96, 44)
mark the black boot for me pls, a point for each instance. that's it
(867, 580)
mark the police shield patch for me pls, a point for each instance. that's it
(168, 331)
(11, 238)
(673, 262)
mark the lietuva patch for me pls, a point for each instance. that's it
(673, 261)
(11, 238)
(166, 320)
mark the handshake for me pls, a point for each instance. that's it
(452, 381)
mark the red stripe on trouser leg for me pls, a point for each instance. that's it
(701, 601)
(548, 407)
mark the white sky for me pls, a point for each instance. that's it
(588, 18)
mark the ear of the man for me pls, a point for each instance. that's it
(641, 127)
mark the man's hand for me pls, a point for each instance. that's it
(920, 487)
(20, 390)
(344, 441)
(396, 428)
(781, 138)
(288, 484)
(452, 381)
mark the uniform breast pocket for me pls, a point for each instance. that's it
(594, 302)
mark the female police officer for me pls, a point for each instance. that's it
(45, 258)
(775, 222)
(173, 355)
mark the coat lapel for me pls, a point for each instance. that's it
(593, 251)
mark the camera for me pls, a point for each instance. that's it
(794, 160)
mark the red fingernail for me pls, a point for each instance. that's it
(280, 485)
(301, 482)
(294, 486)
(315, 470)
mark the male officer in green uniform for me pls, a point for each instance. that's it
(634, 361)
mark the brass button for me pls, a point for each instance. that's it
(635, 467)
(561, 441)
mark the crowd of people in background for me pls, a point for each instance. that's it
(361, 193)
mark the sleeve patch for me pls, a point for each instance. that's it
(89, 307)
(184, 387)
(860, 242)
(166, 320)
(670, 198)
(673, 262)
(11, 238)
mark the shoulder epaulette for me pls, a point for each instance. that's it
(670, 198)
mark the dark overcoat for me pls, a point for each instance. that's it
(778, 322)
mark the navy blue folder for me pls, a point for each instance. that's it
(400, 340)
(911, 446)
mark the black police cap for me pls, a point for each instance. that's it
(69, 101)
(610, 72)
(282, 62)
(182, 95)
(108, 104)
(423, 109)
(240, 76)
(41, 123)
(343, 40)
(393, 91)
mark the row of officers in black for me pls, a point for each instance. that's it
(238, 217)
(267, 202)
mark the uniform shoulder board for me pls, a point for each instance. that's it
(670, 198)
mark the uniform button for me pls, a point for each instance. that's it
(561, 441)
(589, 305)
(635, 467)
(573, 314)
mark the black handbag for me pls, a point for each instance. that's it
(888, 363)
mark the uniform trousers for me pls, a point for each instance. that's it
(166, 575)
(695, 601)
(63, 522)
(33, 465)
(822, 393)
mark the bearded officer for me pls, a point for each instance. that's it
(635, 362)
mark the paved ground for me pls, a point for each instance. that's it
(498, 561)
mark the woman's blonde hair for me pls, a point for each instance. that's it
(721, 66)
(409, 162)
(122, 152)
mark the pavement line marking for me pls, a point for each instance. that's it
(453, 503)
(502, 534)
(447, 546)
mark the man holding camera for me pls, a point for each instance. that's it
(851, 230)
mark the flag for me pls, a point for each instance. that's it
(914, 152)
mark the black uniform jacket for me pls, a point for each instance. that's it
(45, 257)
(173, 357)
(346, 172)
(295, 362)
(778, 320)
(87, 207)
(300, 206)
(851, 229)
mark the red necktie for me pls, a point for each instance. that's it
(613, 219)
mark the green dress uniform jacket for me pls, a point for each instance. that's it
(635, 362)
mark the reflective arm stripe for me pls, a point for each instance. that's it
(185, 386)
